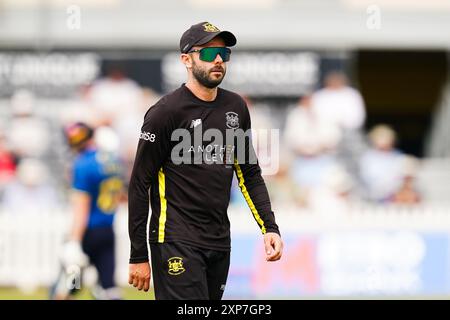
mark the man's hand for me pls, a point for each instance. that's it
(273, 245)
(139, 275)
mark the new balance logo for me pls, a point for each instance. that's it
(196, 122)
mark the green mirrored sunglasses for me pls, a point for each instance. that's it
(209, 54)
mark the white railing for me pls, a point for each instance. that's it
(30, 243)
(29, 246)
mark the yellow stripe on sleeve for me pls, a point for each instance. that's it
(247, 197)
(163, 203)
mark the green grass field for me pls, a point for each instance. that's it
(129, 293)
(7, 293)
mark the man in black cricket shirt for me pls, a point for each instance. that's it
(190, 181)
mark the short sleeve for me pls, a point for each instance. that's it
(81, 180)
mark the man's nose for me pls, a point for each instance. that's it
(218, 59)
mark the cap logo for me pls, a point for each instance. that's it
(209, 27)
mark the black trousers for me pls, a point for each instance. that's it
(99, 245)
(183, 272)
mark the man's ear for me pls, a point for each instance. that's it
(186, 60)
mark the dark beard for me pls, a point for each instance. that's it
(203, 77)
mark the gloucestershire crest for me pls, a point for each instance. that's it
(209, 27)
(176, 266)
(232, 120)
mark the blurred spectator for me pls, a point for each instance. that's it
(29, 192)
(338, 103)
(120, 103)
(79, 108)
(261, 134)
(307, 134)
(7, 162)
(115, 95)
(128, 127)
(342, 105)
(28, 134)
(333, 196)
(381, 165)
(407, 193)
(312, 140)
